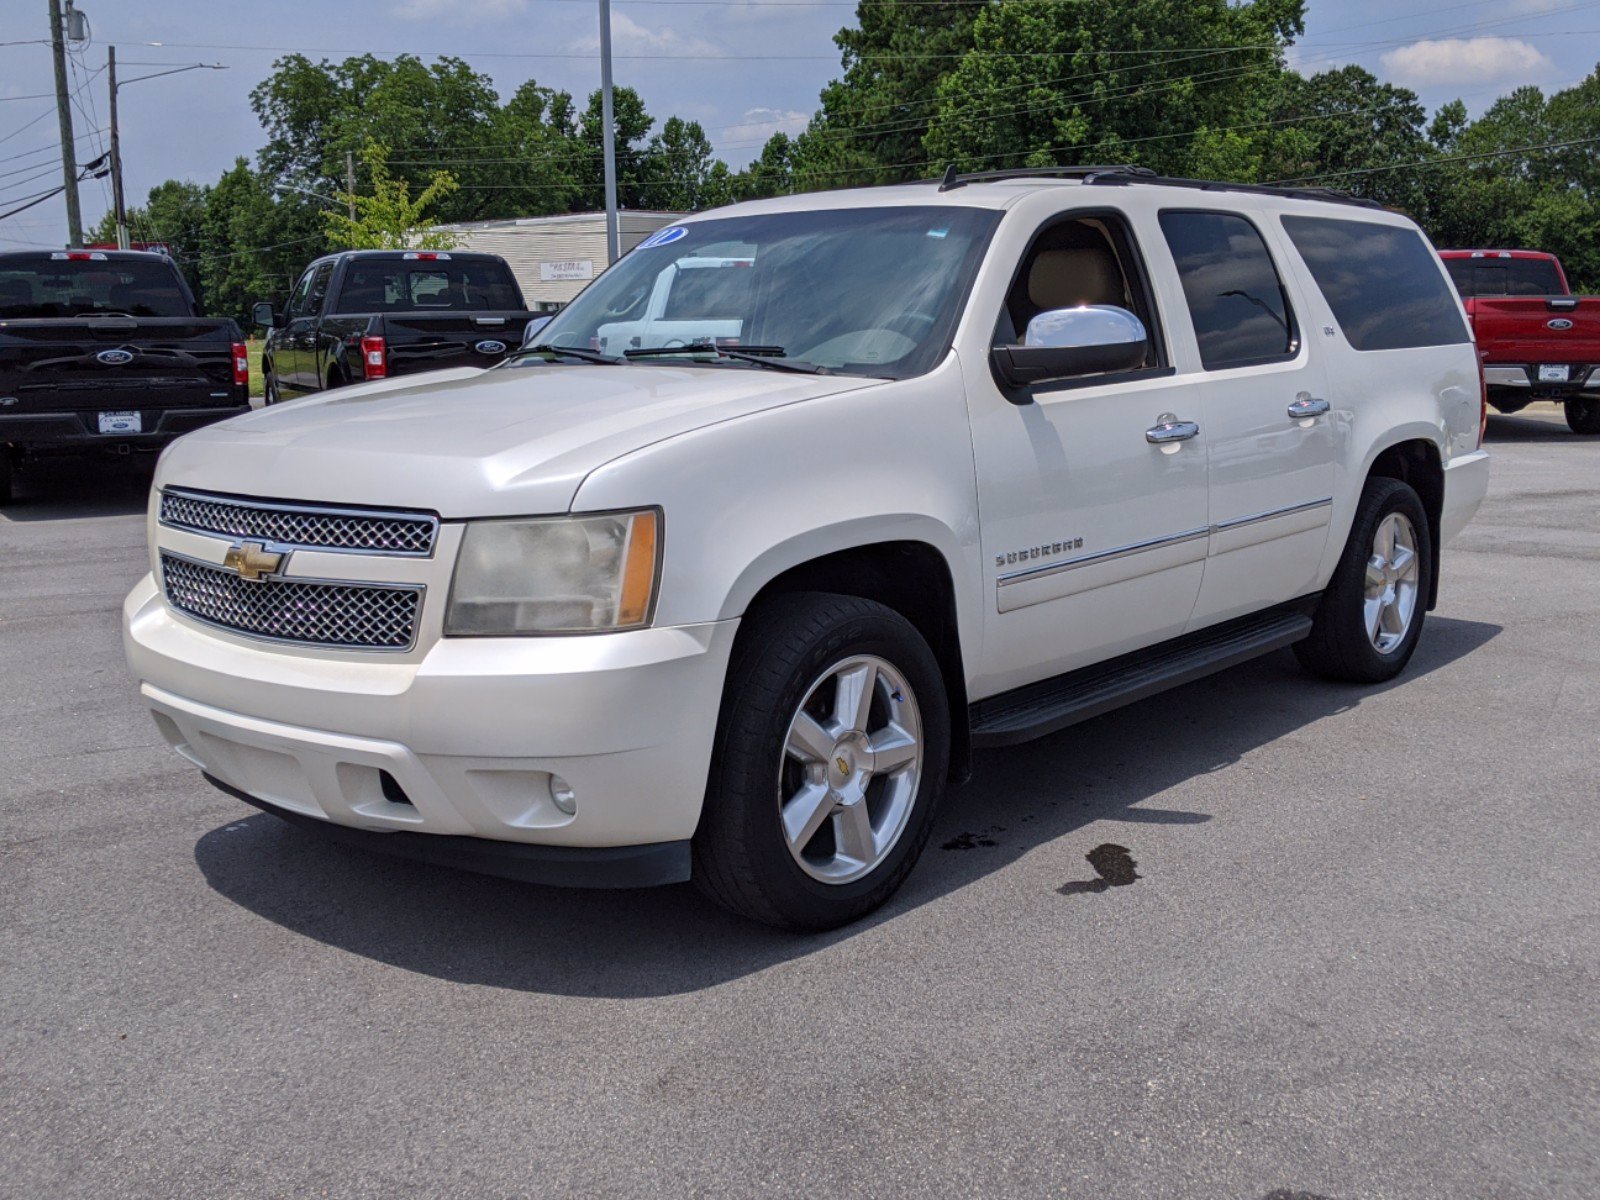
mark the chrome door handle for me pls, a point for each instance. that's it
(1171, 430)
(1305, 407)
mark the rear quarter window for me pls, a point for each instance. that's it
(1382, 282)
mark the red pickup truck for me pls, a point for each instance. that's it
(1536, 339)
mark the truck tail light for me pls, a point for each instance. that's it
(241, 364)
(374, 357)
(1483, 391)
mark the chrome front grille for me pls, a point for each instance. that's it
(302, 526)
(354, 616)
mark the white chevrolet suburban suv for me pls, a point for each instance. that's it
(800, 504)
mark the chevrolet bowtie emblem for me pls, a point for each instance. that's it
(251, 559)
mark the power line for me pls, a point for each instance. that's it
(1442, 161)
(39, 199)
(53, 148)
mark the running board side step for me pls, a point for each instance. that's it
(1042, 708)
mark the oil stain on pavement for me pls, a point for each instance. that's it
(971, 841)
(1111, 863)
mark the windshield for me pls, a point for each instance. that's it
(47, 288)
(1504, 277)
(869, 291)
(388, 285)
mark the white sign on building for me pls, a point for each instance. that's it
(566, 269)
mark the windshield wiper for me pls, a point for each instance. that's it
(592, 356)
(761, 356)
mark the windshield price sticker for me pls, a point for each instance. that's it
(664, 237)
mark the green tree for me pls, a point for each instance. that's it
(772, 174)
(389, 218)
(873, 119)
(234, 269)
(632, 124)
(1348, 126)
(677, 168)
(1049, 83)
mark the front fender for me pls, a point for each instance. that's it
(749, 498)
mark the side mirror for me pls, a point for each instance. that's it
(263, 314)
(1063, 343)
(532, 330)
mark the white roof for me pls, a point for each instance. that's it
(1006, 193)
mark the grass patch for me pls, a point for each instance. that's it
(258, 383)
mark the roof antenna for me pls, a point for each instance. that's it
(952, 179)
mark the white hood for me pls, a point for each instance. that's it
(473, 443)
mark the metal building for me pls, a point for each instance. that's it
(554, 258)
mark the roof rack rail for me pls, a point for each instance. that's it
(954, 178)
(1127, 173)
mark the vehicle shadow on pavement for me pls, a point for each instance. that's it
(667, 941)
(1552, 428)
(70, 488)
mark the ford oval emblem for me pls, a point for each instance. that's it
(1558, 323)
(490, 346)
(115, 358)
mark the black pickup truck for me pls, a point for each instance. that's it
(370, 314)
(104, 350)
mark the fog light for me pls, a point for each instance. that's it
(561, 792)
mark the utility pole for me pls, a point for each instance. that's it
(69, 161)
(608, 126)
(350, 182)
(117, 207)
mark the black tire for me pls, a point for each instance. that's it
(8, 475)
(741, 857)
(1339, 646)
(1583, 415)
(269, 389)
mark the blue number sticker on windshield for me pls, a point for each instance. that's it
(664, 237)
(938, 233)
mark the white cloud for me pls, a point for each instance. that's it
(630, 37)
(754, 12)
(1455, 61)
(472, 11)
(759, 124)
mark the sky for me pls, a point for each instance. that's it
(742, 68)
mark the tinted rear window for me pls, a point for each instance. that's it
(1382, 282)
(1236, 299)
(1504, 277)
(388, 285)
(46, 288)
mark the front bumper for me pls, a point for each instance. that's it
(557, 866)
(461, 741)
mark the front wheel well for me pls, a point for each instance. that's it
(914, 580)
(1416, 464)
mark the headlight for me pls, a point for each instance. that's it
(555, 575)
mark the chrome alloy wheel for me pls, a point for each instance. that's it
(1390, 600)
(851, 765)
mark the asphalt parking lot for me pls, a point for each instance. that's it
(1360, 958)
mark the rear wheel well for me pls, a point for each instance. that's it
(1416, 464)
(913, 579)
